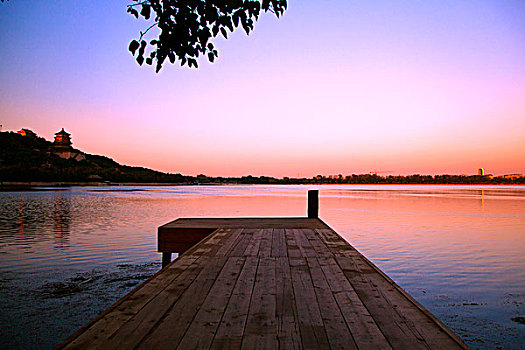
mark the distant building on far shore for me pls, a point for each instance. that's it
(62, 140)
(481, 172)
(26, 132)
(62, 147)
(512, 176)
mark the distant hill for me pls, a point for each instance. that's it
(34, 159)
(31, 158)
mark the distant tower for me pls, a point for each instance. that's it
(481, 172)
(62, 147)
(62, 140)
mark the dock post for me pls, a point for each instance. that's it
(313, 203)
(166, 259)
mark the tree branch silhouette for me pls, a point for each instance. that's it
(187, 27)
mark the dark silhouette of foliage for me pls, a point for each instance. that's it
(29, 159)
(187, 27)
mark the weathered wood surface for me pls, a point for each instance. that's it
(182, 234)
(267, 284)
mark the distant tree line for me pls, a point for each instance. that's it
(31, 159)
(365, 179)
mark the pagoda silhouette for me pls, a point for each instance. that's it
(62, 147)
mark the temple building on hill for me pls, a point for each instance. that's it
(26, 132)
(62, 140)
(62, 147)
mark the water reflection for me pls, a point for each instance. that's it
(21, 216)
(35, 218)
(62, 211)
(482, 196)
(460, 250)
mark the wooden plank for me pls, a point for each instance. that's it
(317, 244)
(303, 244)
(422, 325)
(261, 325)
(311, 326)
(282, 222)
(169, 330)
(231, 327)
(339, 335)
(437, 323)
(240, 243)
(109, 322)
(122, 312)
(252, 249)
(265, 248)
(286, 312)
(210, 245)
(151, 311)
(228, 247)
(131, 333)
(394, 326)
(279, 243)
(414, 324)
(399, 331)
(334, 242)
(312, 329)
(365, 331)
(203, 327)
(292, 249)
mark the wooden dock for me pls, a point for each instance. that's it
(265, 283)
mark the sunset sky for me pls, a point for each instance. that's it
(332, 87)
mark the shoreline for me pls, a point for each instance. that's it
(9, 186)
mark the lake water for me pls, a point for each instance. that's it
(67, 254)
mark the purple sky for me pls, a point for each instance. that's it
(332, 87)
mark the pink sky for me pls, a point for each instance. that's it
(329, 88)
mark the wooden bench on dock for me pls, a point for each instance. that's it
(266, 283)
